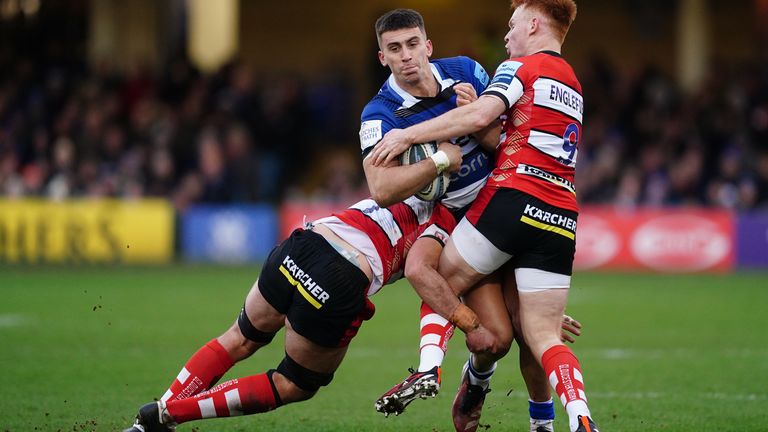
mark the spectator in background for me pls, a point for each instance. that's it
(761, 181)
(242, 163)
(122, 125)
(216, 183)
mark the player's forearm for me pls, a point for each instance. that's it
(488, 137)
(390, 185)
(457, 122)
(421, 272)
(434, 290)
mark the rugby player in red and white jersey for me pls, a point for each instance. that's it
(527, 211)
(316, 284)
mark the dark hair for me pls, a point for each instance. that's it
(399, 19)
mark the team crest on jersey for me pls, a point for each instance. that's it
(370, 133)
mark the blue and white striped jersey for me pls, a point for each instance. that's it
(394, 108)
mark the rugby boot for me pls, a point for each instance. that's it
(417, 385)
(151, 419)
(586, 425)
(468, 404)
(542, 425)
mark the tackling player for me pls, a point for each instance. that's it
(527, 211)
(316, 284)
(418, 90)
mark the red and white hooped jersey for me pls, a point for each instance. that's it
(542, 128)
(385, 235)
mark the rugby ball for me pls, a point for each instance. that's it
(418, 152)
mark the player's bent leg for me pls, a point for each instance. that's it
(255, 327)
(486, 299)
(305, 368)
(459, 274)
(468, 256)
(543, 297)
(214, 359)
(424, 382)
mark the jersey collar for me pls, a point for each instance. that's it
(410, 100)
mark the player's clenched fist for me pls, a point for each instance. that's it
(481, 340)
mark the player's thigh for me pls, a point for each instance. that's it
(310, 355)
(459, 263)
(511, 298)
(541, 315)
(263, 316)
(487, 300)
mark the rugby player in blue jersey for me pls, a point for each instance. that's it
(418, 90)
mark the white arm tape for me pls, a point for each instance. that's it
(441, 161)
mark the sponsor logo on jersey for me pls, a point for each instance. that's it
(370, 133)
(548, 176)
(308, 288)
(475, 167)
(506, 72)
(548, 221)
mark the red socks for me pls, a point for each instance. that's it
(201, 372)
(564, 374)
(249, 395)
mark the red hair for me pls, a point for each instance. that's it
(561, 12)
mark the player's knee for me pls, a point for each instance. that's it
(504, 337)
(250, 332)
(243, 339)
(300, 383)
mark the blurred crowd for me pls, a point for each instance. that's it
(77, 131)
(235, 136)
(650, 143)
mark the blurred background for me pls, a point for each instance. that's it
(151, 131)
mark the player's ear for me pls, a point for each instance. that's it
(534, 25)
(381, 59)
(429, 48)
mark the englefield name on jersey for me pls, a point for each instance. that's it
(550, 218)
(566, 96)
(559, 97)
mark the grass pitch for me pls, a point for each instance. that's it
(81, 348)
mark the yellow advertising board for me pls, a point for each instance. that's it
(88, 231)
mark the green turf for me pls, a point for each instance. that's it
(81, 348)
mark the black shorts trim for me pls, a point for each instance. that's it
(537, 235)
(322, 294)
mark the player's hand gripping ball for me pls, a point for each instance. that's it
(418, 152)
